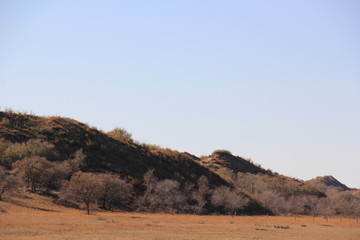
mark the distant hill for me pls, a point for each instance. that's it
(238, 171)
(328, 181)
(223, 159)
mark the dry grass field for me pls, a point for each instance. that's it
(36, 217)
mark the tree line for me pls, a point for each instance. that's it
(35, 166)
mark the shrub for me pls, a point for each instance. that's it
(228, 199)
(112, 189)
(8, 183)
(120, 134)
(3, 146)
(5, 122)
(84, 187)
(166, 196)
(31, 148)
(38, 172)
(150, 147)
(32, 171)
(222, 152)
(199, 195)
(77, 162)
(163, 196)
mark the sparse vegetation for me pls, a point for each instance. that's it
(31, 148)
(38, 172)
(228, 200)
(8, 183)
(120, 134)
(84, 187)
(87, 164)
(221, 152)
(112, 189)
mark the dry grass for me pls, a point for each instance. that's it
(36, 217)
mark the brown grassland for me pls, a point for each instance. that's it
(37, 217)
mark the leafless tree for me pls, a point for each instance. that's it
(167, 197)
(150, 181)
(84, 187)
(55, 174)
(228, 199)
(245, 182)
(112, 189)
(38, 173)
(32, 170)
(162, 195)
(199, 194)
(8, 183)
(3, 146)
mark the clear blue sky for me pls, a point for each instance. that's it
(274, 81)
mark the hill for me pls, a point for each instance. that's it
(104, 152)
(259, 183)
(162, 180)
(114, 152)
(223, 160)
(328, 182)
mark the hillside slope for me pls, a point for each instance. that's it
(328, 182)
(221, 159)
(253, 179)
(103, 153)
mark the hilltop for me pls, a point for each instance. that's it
(223, 160)
(328, 182)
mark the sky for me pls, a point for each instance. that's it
(274, 81)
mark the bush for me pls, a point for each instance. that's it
(8, 183)
(150, 147)
(112, 189)
(38, 172)
(3, 146)
(84, 187)
(120, 134)
(31, 148)
(166, 197)
(77, 162)
(222, 152)
(228, 199)
(5, 122)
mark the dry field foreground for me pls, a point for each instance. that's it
(31, 219)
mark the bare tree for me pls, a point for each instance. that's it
(84, 187)
(345, 204)
(150, 181)
(228, 199)
(168, 196)
(8, 183)
(163, 195)
(55, 174)
(245, 182)
(112, 189)
(38, 173)
(199, 194)
(33, 171)
(3, 146)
